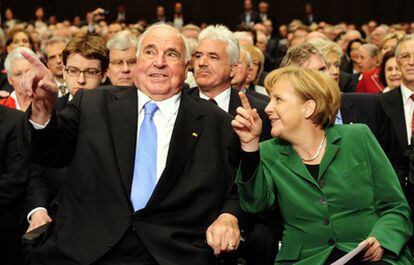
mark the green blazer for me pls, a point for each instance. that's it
(357, 195)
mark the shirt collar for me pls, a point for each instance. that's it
(406, 93)
(14, 97)
(221, 98)
(167, 107)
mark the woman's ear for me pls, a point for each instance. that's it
(309, 108)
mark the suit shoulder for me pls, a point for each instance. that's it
(351, 130)
(10, 115)
(206, 107)
(256, 102)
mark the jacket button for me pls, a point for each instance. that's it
(331, 242)
(326, 221)
(322, 201)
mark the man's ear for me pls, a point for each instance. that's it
(233, 70)
(309, 108)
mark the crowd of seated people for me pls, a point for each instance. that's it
(71, 163)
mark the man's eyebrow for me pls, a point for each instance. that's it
(149, 46)
(173, 50)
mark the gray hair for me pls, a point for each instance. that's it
(407, 37)
(191, 27)
(52, 41)
(16, 55)
(122, 41)
(371, 48)
(166, 26)
(192, 44)
(297, 56)
(247, 55)
(222, 33)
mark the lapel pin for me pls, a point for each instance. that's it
(195, 134)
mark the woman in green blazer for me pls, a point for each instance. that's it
(333, 183)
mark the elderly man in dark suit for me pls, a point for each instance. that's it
(14, 171)
(216, 63)
(398, 106)
(151, 169)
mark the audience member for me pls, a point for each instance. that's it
(122, 59)
(52, 53)
(16, 66)
(390, 74)
(368, 62)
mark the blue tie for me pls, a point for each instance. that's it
(145, 169)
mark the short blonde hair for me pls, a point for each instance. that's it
(256, 54)
(326, 47)
(310, 85)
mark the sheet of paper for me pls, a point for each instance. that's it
(351, 254)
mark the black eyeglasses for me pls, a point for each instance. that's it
(88, 72)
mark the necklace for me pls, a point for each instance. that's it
(318, 152)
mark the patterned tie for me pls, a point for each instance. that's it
(145, 169)
(212, 100)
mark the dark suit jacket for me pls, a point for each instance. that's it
(235, 102)
(254, 17)
(14, 171)
(392, 105)
(348, 82)
(61, 102)
(96, 135)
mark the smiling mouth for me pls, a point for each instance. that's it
(158, 75)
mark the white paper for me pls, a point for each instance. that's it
(351, 254)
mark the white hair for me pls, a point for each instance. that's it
(16, 55)
(222, 33)
(247, 56)
(122, 41)
(245, 37)
(192, 44)
(166, 26)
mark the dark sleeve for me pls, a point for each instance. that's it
(14, 169)
(249, 163)
(54, 145)
(38, 192)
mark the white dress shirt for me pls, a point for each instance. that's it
(14, 97)
(164, 120)
(222, 99)
(408, 109)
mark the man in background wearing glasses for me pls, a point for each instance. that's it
(122, 58)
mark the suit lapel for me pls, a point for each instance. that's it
(331, 150)
(293, 162)
(393, 107)
(123, 123)
(234, 102)
(187, 130)
(348, 113)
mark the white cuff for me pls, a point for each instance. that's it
(29, 215)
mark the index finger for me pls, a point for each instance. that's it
(244, 101)
(40, 67)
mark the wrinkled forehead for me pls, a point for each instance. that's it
(407, 45)
(163, 37)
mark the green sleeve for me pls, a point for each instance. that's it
(255, 193)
